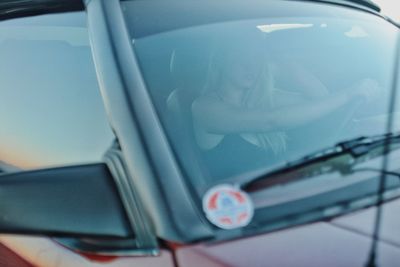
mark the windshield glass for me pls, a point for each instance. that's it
(238, 92)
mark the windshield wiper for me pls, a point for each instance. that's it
(342, 157)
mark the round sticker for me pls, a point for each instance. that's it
(227, 207)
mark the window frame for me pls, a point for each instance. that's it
(145, 242)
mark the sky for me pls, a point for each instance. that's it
(390, 8)
(51, 111)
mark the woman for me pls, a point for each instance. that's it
(241, 118)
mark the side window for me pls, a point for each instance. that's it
(51, 111)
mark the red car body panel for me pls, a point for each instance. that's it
(343, 242)
(8, 258)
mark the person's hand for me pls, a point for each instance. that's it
(366, 89)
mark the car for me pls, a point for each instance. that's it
(199, 133)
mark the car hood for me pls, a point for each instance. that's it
(344, 241)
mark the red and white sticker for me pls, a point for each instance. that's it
(228, 207)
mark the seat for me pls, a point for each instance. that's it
(188, 71)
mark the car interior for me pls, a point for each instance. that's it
(325, 48)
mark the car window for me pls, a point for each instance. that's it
(51, 111)
(255, 86)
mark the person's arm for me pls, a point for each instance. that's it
(217, 117)
(308, 84)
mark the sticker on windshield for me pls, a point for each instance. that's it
(228, 207)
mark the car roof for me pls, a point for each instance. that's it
(17, 8)
(146, 18)
(360, 3)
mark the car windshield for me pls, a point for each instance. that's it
(241, 93)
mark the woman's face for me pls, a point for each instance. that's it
(243, 68)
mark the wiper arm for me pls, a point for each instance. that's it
(341, 157)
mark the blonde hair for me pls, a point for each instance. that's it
(261, 96)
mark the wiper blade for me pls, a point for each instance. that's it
(341, 157)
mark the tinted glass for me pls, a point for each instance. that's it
(252, 87)
(51, 112)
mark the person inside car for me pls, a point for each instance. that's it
(241, 119)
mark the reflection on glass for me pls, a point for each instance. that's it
(51, 112)
(244, 95)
